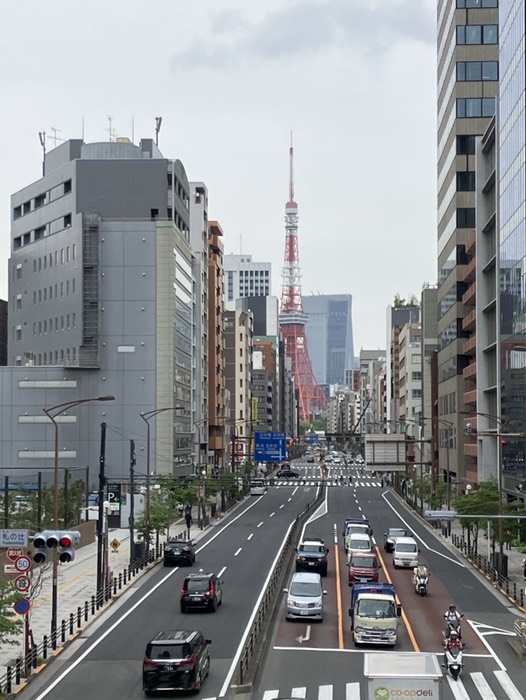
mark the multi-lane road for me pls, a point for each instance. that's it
(315, 661)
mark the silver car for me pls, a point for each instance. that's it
(305, 597)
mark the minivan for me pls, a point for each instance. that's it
(258, 487)
(356, 529)
(305, 597)
(363, 567)
(405, 553)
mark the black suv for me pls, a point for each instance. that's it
(179, 552)
(176, 660)
(287, 474)
(312, 555)
(201, 590)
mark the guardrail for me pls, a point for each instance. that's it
(519, 628)
(251, 652)
(513, 592)
(22, 667)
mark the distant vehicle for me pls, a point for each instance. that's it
(310, 459)
(176, 660)
(391, 535)
(356, 529)
(312, 555)
(287, 474)
(201, 590)
(359, 542)
(355, 521)
(179, 552)
(305, 597)
(405, 553)
(258, 487)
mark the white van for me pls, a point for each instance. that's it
(358, 542)
(405, 553)
(258, 487)
(355, 529)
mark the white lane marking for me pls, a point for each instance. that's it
(260, 524)
(298, 692)
(417, 537)
(271, 515)
(473, 626)
(335, 527)
(221, 572)
(289, 500)
(325, 692)
(322, 509)
(297, 487)
(482, 686)
(492, 630)
(237, 655)
(305, 637)
(236, 553)
(508, 686)
(270, 694)
(352, 691)
(250, 536)
(457, 688)
(282, 506)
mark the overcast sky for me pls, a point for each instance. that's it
(353, 79)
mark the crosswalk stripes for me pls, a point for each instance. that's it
(326, 482)
(504, 689)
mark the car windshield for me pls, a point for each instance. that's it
(305, 588)
(397, 533)
(197, 585)
(405, 547)
(376, 608)
(360, 544)
(169, 651)
(365, 562)
(311, 548)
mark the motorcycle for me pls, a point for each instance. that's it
(453, 661)
(420, 584)
(453, 624)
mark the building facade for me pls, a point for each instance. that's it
(245, 278)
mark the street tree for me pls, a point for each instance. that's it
(10, 623)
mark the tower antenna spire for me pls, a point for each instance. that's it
(291, 172)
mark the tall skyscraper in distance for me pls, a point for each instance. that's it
(292, 318)
(330, 336)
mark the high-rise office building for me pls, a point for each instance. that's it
(330, 337)
(245, 278)
(468, 73)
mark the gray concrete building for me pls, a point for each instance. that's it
(101, 296)
(468, 73)
(246, 278)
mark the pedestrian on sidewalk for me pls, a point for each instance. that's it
(188, 518)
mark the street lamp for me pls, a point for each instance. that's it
(52, 412)
(146, 416)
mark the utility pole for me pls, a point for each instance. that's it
(100, 520)
(39, 501)
(132, 501)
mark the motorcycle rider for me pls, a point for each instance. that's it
(420, 571)
(452, 618)
(451, 643)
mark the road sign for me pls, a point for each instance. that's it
(270, 447)
(440, 514)
(115, 544)
(22, 564)
(22, 606)
(14, 552)
(14, 538)
(10, 569)
(22, 583)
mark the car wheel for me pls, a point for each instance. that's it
(198, 682)
(324, 572)
(220, 601)
(148, 693)
(213, 607)
(183, 608)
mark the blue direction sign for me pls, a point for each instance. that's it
(270, 447)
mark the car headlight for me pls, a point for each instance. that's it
(359, 630)
(291, 603)
(300, 558)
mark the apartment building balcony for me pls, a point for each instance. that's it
(469, 296)
(470, 449)
(470, 245)
(469, 273)
(471, 371)
(470, 397)
(468, 323)
(470, 345)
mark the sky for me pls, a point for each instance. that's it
(354, 80)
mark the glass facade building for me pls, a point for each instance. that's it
(512, 225)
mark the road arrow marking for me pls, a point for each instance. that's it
(306, 637)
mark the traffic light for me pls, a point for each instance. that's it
(44, 542)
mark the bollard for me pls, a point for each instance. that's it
(79, 617)
(71, 624)
(114, 586)
(18, 671)
(120, 581)
(86, 611)
(54, 639)
(93, 605)
(44, 647)
(9, 680)
(63, 631)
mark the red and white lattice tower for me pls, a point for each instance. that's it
(292, 319)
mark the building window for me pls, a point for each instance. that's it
(18, 272)
(466, 217)
(477, 70)
(466, 181)
(469, 107)
(475, 4)
(473, 34)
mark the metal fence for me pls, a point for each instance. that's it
(21, 668)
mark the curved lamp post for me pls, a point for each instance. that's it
(146, 416)
(52, 412)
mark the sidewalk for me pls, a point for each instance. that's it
(77, 583)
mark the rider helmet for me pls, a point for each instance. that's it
(452, 607)
(453, 634)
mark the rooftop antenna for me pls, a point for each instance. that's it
(42, 138)
(110, 128)
(133, 130)
(158, 122)
(55, 137)
(82, 129)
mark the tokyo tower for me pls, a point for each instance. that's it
(292, 319)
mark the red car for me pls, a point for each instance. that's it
(363, 567)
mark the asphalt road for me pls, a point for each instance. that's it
(317, 661)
